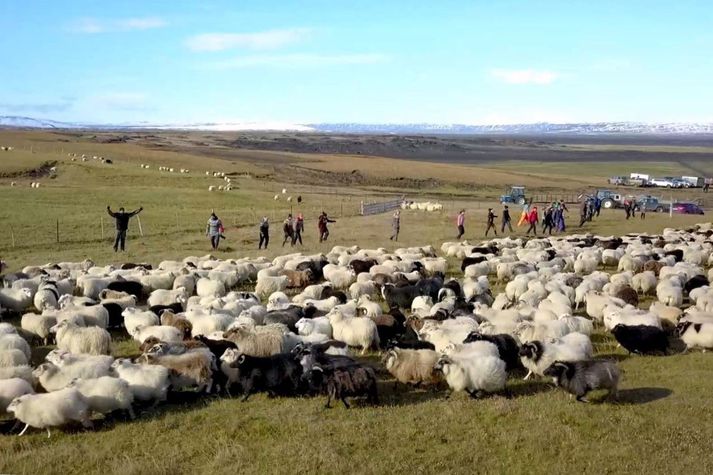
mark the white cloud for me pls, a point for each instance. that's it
(525, 76)
(296, 60)
(261, 40)
(96, 25)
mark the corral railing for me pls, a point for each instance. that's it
(549, 198)
(368, 209)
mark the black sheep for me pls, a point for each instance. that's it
(641, 339)
(507, 347)
(695, 282)
(468, 261)
(129, 286)
(175, 307)
(676, 253)
(116, 320)
(288, 316)
(398, 315)
(277, 374)
(218, 347)
(359, 266)
(454, 285)
(430, 286)
(580, 377)
(401, 297)
(131, 265)
(317, 268)
(329, 291)
(409, 344)
(343, 382)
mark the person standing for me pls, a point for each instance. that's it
(460, 222)
(322, 223)
(122, 225)
(264, 232)
(532, 219)
(214, 230)
(395, 225)
(507, 221)
(548, 221)
(299, 227)
(289, 230)
(583, 210)
(491, 222)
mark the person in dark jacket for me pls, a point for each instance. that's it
(322, 224)
(264, 232)
(507, 221)
(299, 226)
(548, 221)
(122, 225)
(214, 230)
(491, 222)
(289, 230)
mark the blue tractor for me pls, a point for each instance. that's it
(515, 195)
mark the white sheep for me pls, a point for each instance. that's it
(146, 382)
(16, 300)
(11, 341)
(354, 331)
(475, 375)
(134, 317)
(76, 339)
(537, 356)
(266, 285)
(163, 332)
(12, 357)
(106, 394)
(43, 411)
(644, 282)
(11, 389)
(311, 326)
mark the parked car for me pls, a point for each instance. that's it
(687, 208)
(662, 182)
(650, 203)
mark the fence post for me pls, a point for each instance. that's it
(141, 230)
(58, 231)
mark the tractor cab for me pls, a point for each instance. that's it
(516, 195)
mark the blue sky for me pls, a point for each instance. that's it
(368, 61)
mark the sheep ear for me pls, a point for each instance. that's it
(241, 359)
(317, 368)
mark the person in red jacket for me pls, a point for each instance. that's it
(533, 219)
(322, 225)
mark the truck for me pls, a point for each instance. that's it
(694, 181)
(640, 176)
(652, 203)
(609, 199)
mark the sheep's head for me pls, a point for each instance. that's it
(15, 403)
(683, 326)
(56, 356)
(531, 350)
(390, 357)
(44, 368)
(63, 324)
(559, 370)
(149, 345)
(443, 364)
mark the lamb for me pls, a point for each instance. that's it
(43, 411)
(76, 339)
(106, 394)
(15, 300)
(12, 357)
(537, 356)
(251, 343)
(38, 325)
(412, 366)
(12, 388)
(354, 331)
(193, 368)
(476, 376)
(146, 383)
(641, 339)
(12, 341)
(578, 378)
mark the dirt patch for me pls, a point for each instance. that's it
(39, 172)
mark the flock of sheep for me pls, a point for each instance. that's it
(422, 206)
(294, 333)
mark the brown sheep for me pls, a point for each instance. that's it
(169, 318)
(188, 369)
(628, 295)
(298, 279)
(653, 266)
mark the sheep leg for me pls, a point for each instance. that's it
(344, 400)
(329, 401)
(25, 429)
(527, 376)
(131, 413)
(582, 398)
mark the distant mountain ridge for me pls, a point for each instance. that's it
(543, 128)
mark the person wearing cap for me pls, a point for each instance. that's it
(491, 222)
(507, 221)
(460, 222)
(122, 225)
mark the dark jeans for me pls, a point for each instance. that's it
(546, 227)
(324, 235)
(461, 231)
(214, 241)
(533, 228)
(264, 238)
(120, 240)
(297, 237)
(508, 224)
(491, 226)
(395, 235)
(288, 237)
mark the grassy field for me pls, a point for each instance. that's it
(657, 425)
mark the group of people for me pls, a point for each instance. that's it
(631, 207)
(292, 228)
(553, 219)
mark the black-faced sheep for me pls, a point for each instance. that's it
(507, 347)
(277, 374)
(580, 377)
(641, 339)
(342, 382)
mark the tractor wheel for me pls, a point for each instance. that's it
(521, 200)
(608, 204)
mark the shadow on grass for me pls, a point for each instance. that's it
(642, 395)
(613, 357)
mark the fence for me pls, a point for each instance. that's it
(549, 198)
(368, 209)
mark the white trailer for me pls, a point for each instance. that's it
(694, 181)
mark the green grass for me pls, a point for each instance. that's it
(659, 425)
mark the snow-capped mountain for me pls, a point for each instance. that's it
(544, 128)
